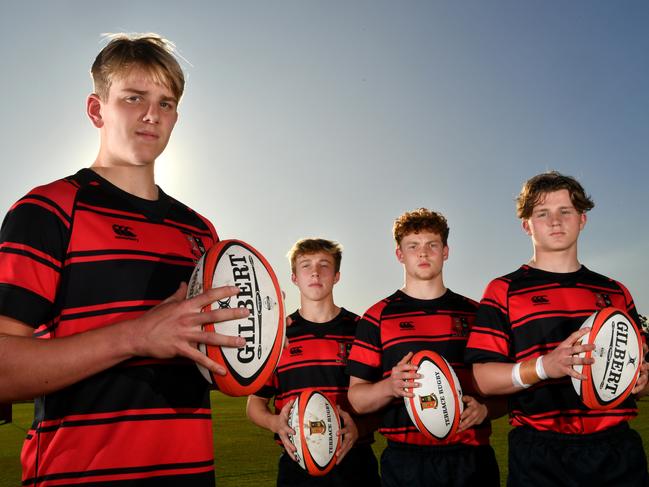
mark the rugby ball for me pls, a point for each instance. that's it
(618, 355)
(235, 263)
(437, 404)
(316, 423)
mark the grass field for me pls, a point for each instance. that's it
(246, 456)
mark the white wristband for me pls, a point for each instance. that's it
(540, 371)
(516, 377)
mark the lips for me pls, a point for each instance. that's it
(147, 135)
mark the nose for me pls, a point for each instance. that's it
(152, 114)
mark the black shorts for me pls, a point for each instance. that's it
(614, 457)
(359, 468)
(428, 466)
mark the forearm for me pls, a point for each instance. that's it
(367, 397)
(32, 367)
(494, 379)
(258, 412)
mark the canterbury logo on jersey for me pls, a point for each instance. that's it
(124, 232)
(407, 325)
(540, 299)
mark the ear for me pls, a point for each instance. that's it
(337, 277)
(445, 252)
(526, 226)
(93, 110)
(582, 221)
(293, 278)
(399, 254)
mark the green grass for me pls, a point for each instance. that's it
(246, 456)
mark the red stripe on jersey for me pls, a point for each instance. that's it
(80, 442)
(575, 421)
(27, 200)
(30, 250)
(29, 273)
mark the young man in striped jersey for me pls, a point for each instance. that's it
(93, 320)
(320, 336)
(423, 315)
(524, 345)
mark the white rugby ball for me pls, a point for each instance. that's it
(235, 263)
(618, 355)
(316, 423)
(437, 404)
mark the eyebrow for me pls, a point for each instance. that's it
(145, 92)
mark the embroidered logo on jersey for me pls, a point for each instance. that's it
(196, 246)
(461, 325)
(428, 402)
(295, 351)
(407, 325)
(602, 300)
(540, 299)
(125, 233)
(343, 352)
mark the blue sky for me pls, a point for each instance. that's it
(331, 118)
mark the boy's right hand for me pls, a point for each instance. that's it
(173, 328)
(403, 377)
(283, 430)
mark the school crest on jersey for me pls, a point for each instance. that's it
(602, 300)
(343, 352)
(460, 326)
(196, 246)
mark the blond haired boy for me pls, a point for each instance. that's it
(93, 320)
(320, 336)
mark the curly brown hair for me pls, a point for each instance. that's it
(420, 220)
(308, 246)
(536, 187)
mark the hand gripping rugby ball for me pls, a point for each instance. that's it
(316, 423)
(235, 263)
(437, 405)
(618, 353)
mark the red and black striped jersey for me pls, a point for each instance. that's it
(316, 358)
(79, 254)
(400, 324)
(526, 314)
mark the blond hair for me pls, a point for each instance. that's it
(308, 246)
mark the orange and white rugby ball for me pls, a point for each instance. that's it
(618, 356)
(236, 263)
(437, 404)
(316, 424)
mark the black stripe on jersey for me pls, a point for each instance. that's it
(362, 371)
(109, 252)
(31, 255)
(149, 386)
(25, 305)
(552, 312)
(49, 202)
(101, 312)
(426, 338)
(121, 419)
(122, 471)
(308, 362)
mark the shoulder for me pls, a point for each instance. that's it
(185, 215)
(461, 302)
(58, 196)
(376, 311)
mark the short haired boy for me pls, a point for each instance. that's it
(531, 318)
(423, 315)
(320, 335)
(94, 322)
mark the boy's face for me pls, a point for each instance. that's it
(422, 255)
(555, 223)
(315, 275)
(135, 121)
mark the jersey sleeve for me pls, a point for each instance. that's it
(33, 244)
(365, 357)
(489, 339)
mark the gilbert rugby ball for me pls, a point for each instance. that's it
(235, 263)
(316, 423)
(618, 354)
(437, 404)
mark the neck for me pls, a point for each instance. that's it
(560, 262)
(136, 180)
(420, 289)
(318, 311)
